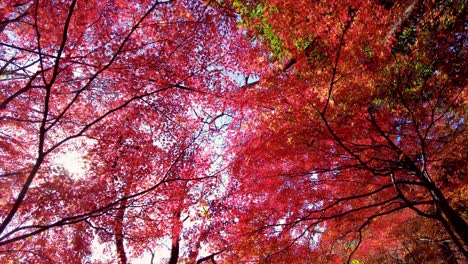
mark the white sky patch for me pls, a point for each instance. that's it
(99, 252)
(162, 252)
(73, 161)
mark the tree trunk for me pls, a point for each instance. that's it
(174, 250)
(176, 230)
(454, 224)
(119, 236)
(454, 220)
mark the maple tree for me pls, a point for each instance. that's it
(125, 84)
(358, 131)
(344, 142)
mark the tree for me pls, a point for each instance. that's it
(121, 82)
(344, 140)
(360, 127)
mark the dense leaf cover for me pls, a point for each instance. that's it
(233, 131)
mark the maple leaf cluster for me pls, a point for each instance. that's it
(233, 131)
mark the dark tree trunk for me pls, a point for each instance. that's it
(455, 225)
(176, 230)
(174, 251)
(458, 224)
(119, 236)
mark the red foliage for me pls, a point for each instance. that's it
(125, 84)
(348, 136)
(344, 142)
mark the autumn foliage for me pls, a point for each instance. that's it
(233, 131)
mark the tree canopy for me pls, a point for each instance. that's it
(233, 131)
